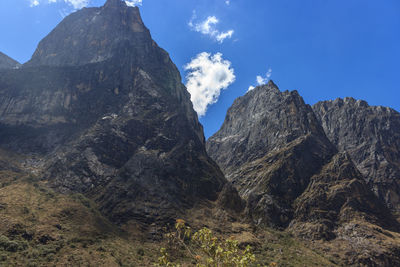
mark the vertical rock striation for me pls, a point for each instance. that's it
(272, 147)
(104, 109)
(371, 136)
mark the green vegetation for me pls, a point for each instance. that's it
(205, 249)
(40, 227)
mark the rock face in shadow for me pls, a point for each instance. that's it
(275, 152)
(371, 136)
(8, 63)
(103, 110)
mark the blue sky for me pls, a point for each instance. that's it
(323, 48)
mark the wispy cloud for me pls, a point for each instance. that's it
(208, 27)
(207, 76)
(76, 4)
(34, 3)
(262, 80)
(228, 2)
(133, 2)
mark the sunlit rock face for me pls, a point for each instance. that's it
(274, 150)
(371, 136)
(101, 110)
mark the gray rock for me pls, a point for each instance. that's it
(275, 152)
(8, 63)
(104, 110)
(371, 136)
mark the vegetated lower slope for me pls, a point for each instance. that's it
(101, 150)
(274, 150)
(41, 227)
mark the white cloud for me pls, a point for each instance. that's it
(262, 80)
(208, 27)
(223, 35)
(207, 76)
(76, 4)
(228, 2)
(34, 3)
(133, 2)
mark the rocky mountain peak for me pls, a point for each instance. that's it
(262, 120)
(94, 35)
(104, 110)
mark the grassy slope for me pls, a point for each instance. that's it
(39, 227)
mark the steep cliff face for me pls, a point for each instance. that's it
(371, 136)
(273, 149)
(93, 35)
(259, 122)
(269, 146)
(102, 111)
(8, 63)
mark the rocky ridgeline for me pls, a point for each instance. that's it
(103, 111)
(371, 136)
(100, 110)
(8, 63)
(275, 151)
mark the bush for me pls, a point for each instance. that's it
(212, 251)
(10, 245)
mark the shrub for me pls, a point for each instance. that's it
(10, 245)
(212, 251)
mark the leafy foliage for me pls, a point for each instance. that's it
(211, 251)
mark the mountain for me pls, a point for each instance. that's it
(274, 150)
(100, 110)
(101, 151)
(371, 136)
(8, 63)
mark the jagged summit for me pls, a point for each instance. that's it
(260, 121)
(93, 35)
(371, 135)
(274, 150)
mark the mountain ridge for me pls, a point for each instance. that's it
(112, 128)
(99, 119)
(7, 62)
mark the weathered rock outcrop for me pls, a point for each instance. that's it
(335, 196)
(269, 146)
(104, 109)
(371, 136)
(8, 63)
(273, 149)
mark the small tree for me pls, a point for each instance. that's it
(213, 252)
